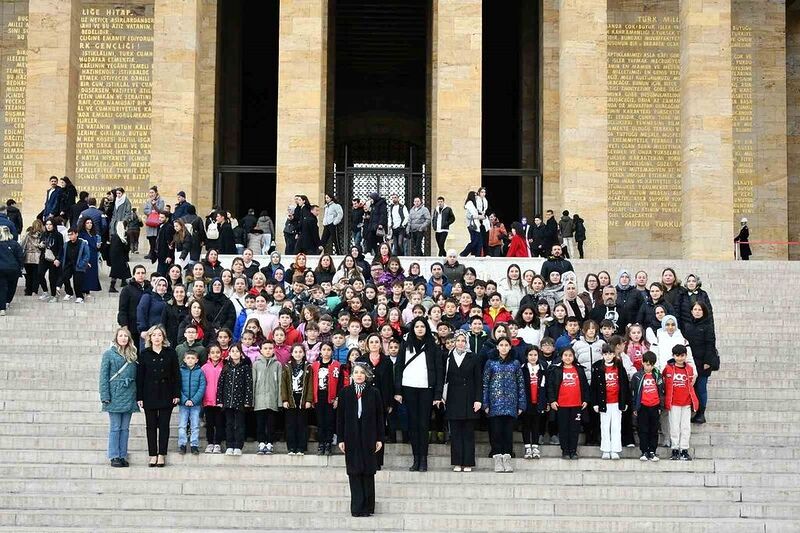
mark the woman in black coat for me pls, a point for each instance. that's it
(418, 382)
(174, 313)
(308, 239)
(703, 341)
(463, 379)
(360, 429)
(382, 378)
(647, 312)
(158, 389)
(218, 307)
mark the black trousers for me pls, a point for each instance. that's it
(296, 429)
(329, 232)
(462, 442)
(152, 242)
(31, 278)
(234, 428)
(627, 427)
(580, 248)
(8, 287)
(215, 424)
(441, 238)
(648, 418)
(419, 403)
(70, 275)
(416, 242)
(484, 241)
(157, 422)
(265, 425)
(548, 423)
(502, 430)
(531, 425)
(569, 428)
(49, 270)
(439, 423)
(591, 427)
(362, 494)
(325, 422)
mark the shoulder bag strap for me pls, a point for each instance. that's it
(115, 376)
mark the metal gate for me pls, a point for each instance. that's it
(362, 179)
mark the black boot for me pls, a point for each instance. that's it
(423, 463)
(415, 466)
(700, 416)
(113, 287)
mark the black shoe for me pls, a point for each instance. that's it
(565, 456)
(573, 456)
(195, 450)
(685, 455)
(116, 462)
(676, 455)
(700, 416)
(182, 449)
(320, 449)
(124, 462)
(415, 465)
(423, 463)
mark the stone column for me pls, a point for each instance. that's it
(456, 107)
(793, 125)
(550, 109)
(583, 121)
(175, 124)
(203, 190)
(707, 129)
(302, 104)
(51, 98)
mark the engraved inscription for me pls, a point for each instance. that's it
(114, 97)
(743, 137)
(13, 78)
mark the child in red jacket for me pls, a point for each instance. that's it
(679, 400)
(325, 373)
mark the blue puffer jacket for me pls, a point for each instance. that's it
(11, 256)
(149, 310)
(193, 385)
(503, 387)
(118, 396)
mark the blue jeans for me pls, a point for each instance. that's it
(701, 389)
(118, 435)
(191, 416)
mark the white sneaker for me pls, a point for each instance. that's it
(535, 454)
(268, 449)
(300, 453)
(654, 458)
(217, 448)
(78, 300)
(630, 445)
(229, 451)
(614, 455)
(606, 455)
(44, 297)
(67, 298)
(210, 448)
(643, 457)
(3, 312)
(291, 453)
(467, 469)
(237, 451)
(52, 300)
(456, 469)
(528, 454)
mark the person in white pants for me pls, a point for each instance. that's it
(610, 393)
(679, 400)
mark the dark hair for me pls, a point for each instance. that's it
(547, 340)
(679, 349)
(607, 324)
(649, 357)
(606, 348)
(190, 352)
(573, 319)
(702, 306)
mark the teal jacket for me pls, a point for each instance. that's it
(193, 385)
(119, 395)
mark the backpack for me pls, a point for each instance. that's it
(212, 232)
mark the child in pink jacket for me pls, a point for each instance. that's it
(215, 414)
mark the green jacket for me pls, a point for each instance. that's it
(266, 384)
(197, 346)
(119, 395)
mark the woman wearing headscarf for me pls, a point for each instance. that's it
(464, 382)
(418, 380)
(703, 341)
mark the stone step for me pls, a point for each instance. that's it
(417, 522)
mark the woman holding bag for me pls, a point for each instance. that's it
(462, 397)
(152, 207)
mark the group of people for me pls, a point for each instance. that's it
(268, 350)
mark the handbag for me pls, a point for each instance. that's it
(444, 388)
(152, 220)
(49, 256)
(212, 232)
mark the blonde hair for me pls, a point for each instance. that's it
(5, 233)
(128, 352)
(159, 327)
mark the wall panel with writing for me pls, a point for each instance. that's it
(644, 130)
(13, 76)
(114, 97)
(758, 77)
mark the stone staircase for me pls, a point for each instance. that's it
(745, 476)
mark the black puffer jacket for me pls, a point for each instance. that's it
(235, 389)
(129, 298)
(219, 310)
(703, 342)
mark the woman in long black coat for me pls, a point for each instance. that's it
(359, 427)
(703, 342)
(463, 379)
(382, 378)
(158, 389)
(308, 238)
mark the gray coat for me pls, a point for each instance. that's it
(152, 232)
(118, 396)
(567, 226)
(266, 384)
(418, 218)
(122, 213)
(333, 214)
